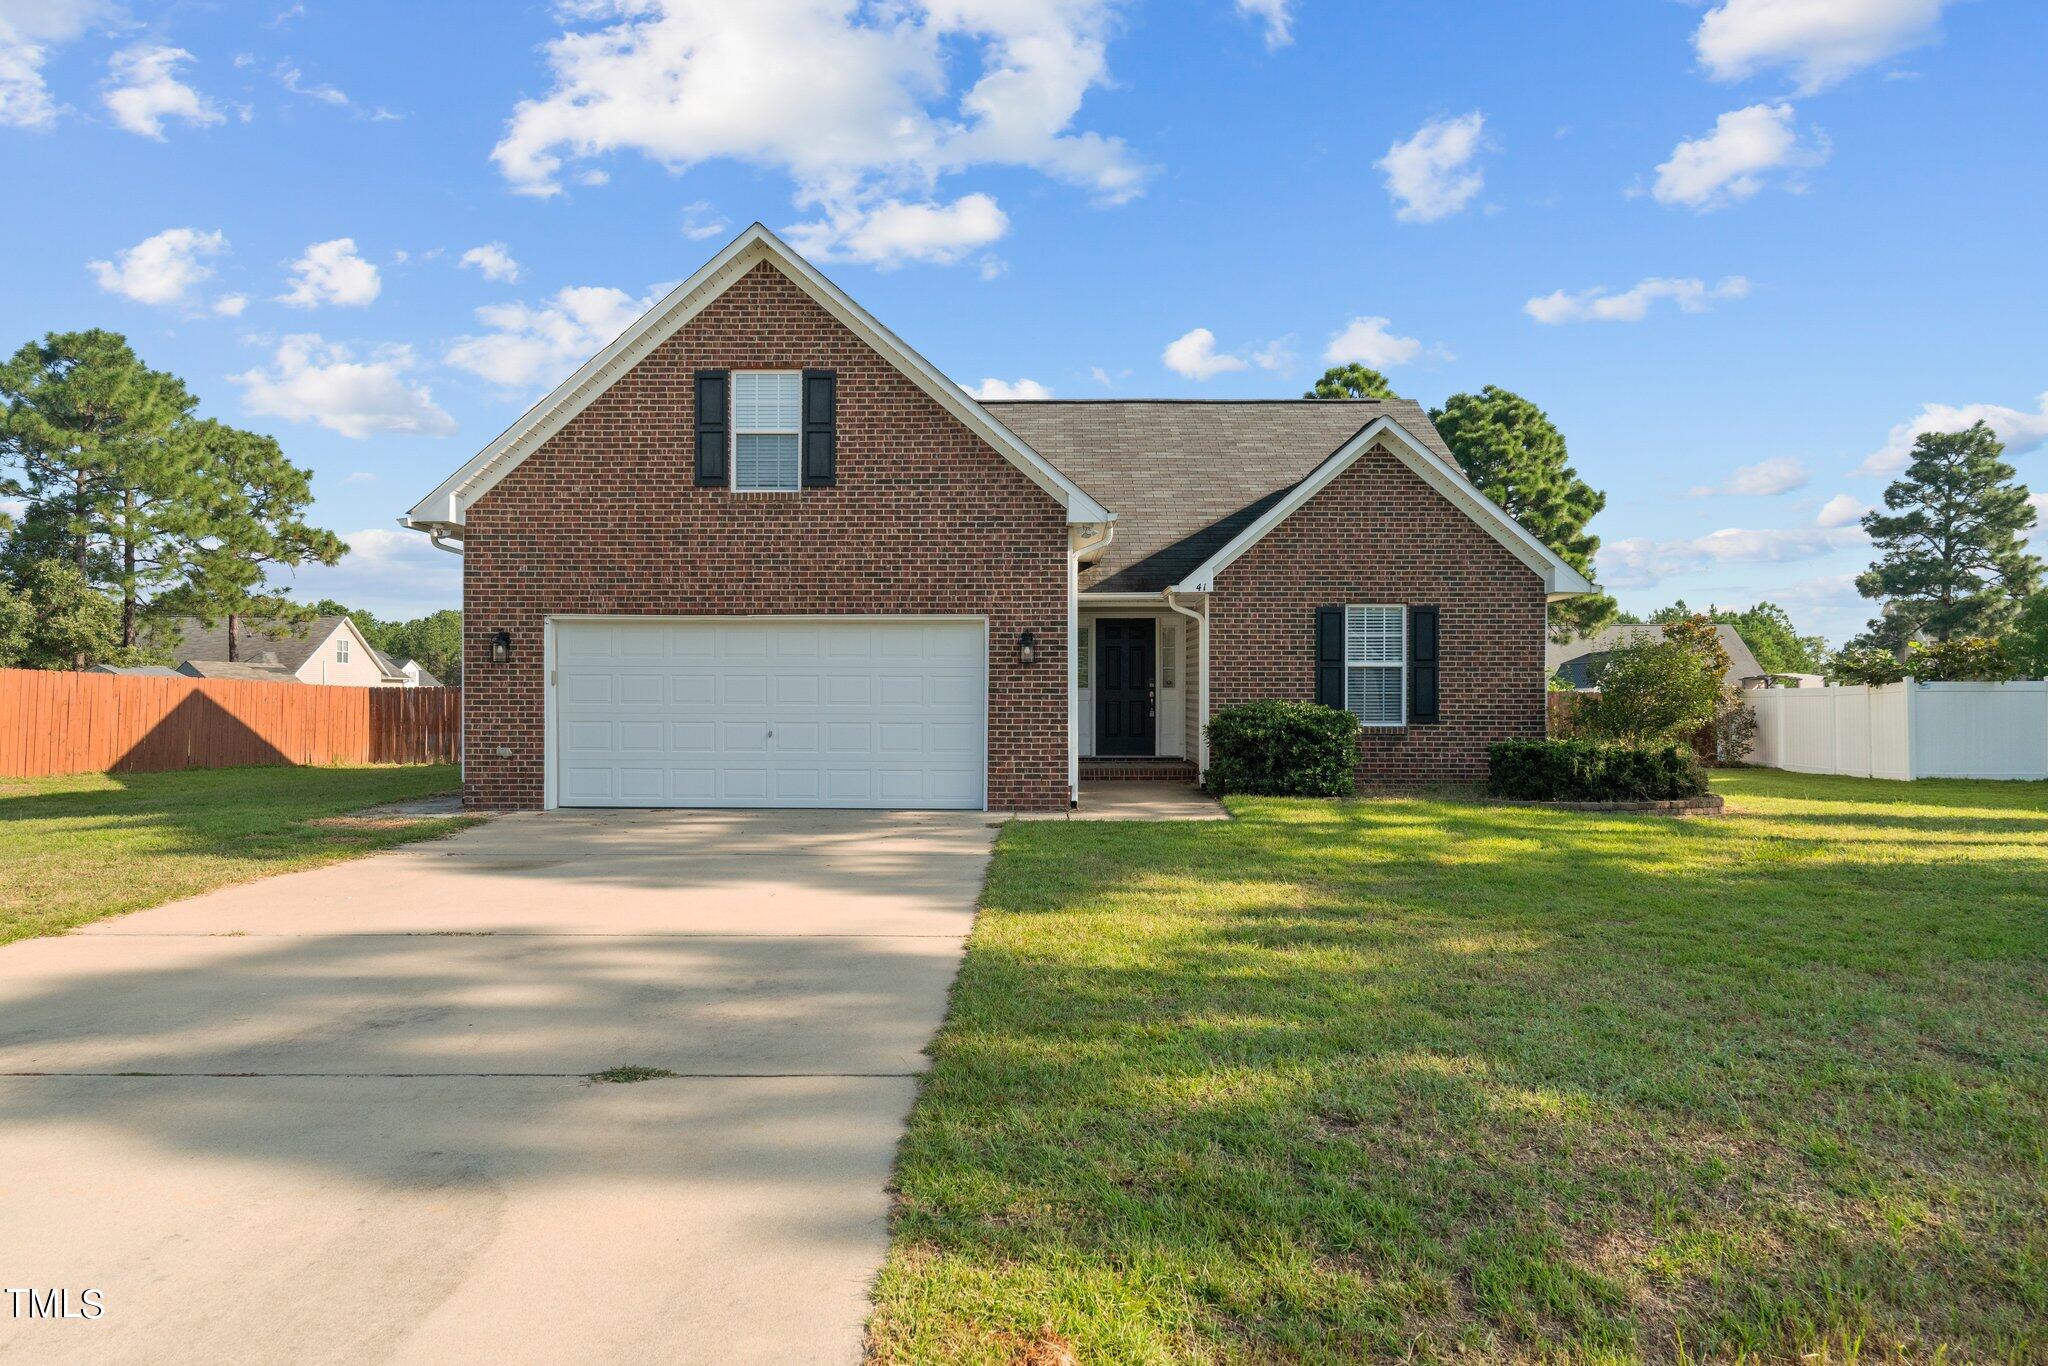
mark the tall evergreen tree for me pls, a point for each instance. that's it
(89, 440)
(1515, 455)
(1351, 381)
(1953, 560)
(251, 505)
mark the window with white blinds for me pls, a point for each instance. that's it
(767, 431)
(1376, 665)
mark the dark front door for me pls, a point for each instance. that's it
(1123, 686)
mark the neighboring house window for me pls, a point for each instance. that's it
(1081, 664)
(1376, 665)
(767, 431)
(341, 650)
(1169, 651)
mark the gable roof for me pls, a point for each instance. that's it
(1742, 663)
(289, 649)
(446, 507)
(1184, 476)
(1196, 484)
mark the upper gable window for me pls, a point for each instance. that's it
(767, 431)
(341, 649)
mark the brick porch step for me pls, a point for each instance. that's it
(1138, 770)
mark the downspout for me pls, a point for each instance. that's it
(1201, 620)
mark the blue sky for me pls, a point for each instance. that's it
(1739, 251)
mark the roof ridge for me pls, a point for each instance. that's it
(1218, 402)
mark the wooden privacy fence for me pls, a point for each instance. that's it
(53, 723)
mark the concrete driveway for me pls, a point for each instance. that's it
(343, 1115)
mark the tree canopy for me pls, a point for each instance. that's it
(1515, 455)
(168, 514)
(1767, 630)
(1351, 381)
(1953, 560)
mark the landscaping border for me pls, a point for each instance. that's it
(1708, 804)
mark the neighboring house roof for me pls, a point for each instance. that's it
(288, 649)
(136, 670)
(446, 507)
(1197, 483)
(248, 673)
(1741, 662)
(426, 677)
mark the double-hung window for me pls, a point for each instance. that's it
(767, 431)
(1376, 665)
(341, 650)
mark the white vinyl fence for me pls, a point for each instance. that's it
(1905, 730)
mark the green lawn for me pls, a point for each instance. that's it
(1416, 1078)
(77, 849)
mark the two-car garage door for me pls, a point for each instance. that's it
(829, 712)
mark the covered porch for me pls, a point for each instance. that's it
(1139, 685)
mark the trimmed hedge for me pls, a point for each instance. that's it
(1283, 749)
(1579, 771)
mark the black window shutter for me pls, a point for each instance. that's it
(1422, 664)
(1330, 656)
(821, 428)
(714, 425)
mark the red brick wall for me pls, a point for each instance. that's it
(925, 518)
(1378, 534)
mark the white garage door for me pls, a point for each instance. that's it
(855, 712)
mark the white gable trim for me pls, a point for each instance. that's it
(447, 506)
(1560, 580)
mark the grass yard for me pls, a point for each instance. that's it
(78, 849)
(1423, 1079)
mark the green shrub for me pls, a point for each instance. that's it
(1660, 690)
(1578, 771)
(1283, 749)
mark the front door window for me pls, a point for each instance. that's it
(1124, 675)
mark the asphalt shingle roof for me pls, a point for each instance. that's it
(1184, 477)
(1741, 663)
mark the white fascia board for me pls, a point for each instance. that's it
(1560, 580)
(448, 504)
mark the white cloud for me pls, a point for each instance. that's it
(162, 269)
(530, 345)
(1430, 174)
(701, 221)
(332, 273)
(388, 571)
(494, 261)
(1640, 561)
(1275, 355)
(230, 305)
(1765, 479)
(1274, 15)
(359, 477)
(313, 380)
(143, 89)
(29, 31)
(1692, 295)
(293, 79)
(1841, 510)
(1002, 388)
(892, 232)
(1367, 342)
(857, 106)
(1819, 41)
(1737, 159)
(1194, 355)
(2021, 431)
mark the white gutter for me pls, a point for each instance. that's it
(1201, 621)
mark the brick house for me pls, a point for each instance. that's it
(758, 552)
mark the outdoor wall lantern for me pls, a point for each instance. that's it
(1027, 648)
(501, 647)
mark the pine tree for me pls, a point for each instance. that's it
(1953, 560)
(1516, 456)
(89, 441)
(251, 503)
(1351, 381)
